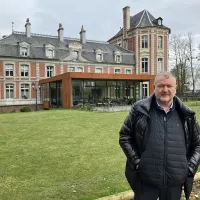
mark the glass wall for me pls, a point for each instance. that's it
(55, 94)
(102, 93)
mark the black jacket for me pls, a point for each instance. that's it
(134, 135)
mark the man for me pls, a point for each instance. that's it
(161, 140)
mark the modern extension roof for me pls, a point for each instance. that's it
(141, 20)
(9, 47)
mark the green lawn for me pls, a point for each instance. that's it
(61, 155)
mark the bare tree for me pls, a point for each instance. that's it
(178, 56)
(191, 52)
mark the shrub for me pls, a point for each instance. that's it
(25, 109)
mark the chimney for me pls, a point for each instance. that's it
(126, 21)
(82, 35)
(28, 28)
(60, 32)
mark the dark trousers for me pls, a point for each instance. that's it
(149, 192)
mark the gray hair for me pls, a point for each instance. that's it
(164, 74)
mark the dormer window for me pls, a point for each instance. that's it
(159, 20)
(118, 57)
(49, 53)
(24, 51)
(99, 55)
(75, 55)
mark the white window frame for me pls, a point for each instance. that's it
(145, 41)
(50, 53)
(75, 55)
(160, 65)
(144, 61)
(24, 71)
(9, 67)
(160, 42)
(49, 70)
(24, 51)
(70, 69)
(99, 70)
(80, 69)
(159, 22)
(9, 89)
(99, 55)
(145, 86)
(116, 69)
(24, 90)
(128, 69)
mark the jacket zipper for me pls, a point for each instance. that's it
(165, 153)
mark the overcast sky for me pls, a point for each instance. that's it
(101, 18)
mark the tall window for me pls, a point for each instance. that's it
(49, 53)
(24, 91)
(160, 42)
(24, 51)
(24, 70)
(9, 69)
(117, 71)
(145, 41)
(128, 71)
(50, 71)
(75, 55)
(9, 91)
(144, 65)
(71, 69)
(79, 69)
(144, 90)
(98, 70)
(160, 65)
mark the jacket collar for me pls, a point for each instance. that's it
(144, 106)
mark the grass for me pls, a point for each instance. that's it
(61, 155)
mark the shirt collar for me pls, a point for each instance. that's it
(168, 110)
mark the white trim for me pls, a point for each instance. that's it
(26, 83)
(29, 69)
(14, 88)
(54, 69)
(149, 18)
(79, 68)
(4, 69)
(162, 42)
(147, 83)
(141, 65)
(144, 48)
(99, 68)
(140, 19)
(162, 64)
(128, 69)
(117, 69)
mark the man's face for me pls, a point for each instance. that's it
(165, 89)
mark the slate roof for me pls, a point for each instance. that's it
(141, 20)
(9, 47)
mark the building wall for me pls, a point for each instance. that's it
(37, 71)
(153, 53)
